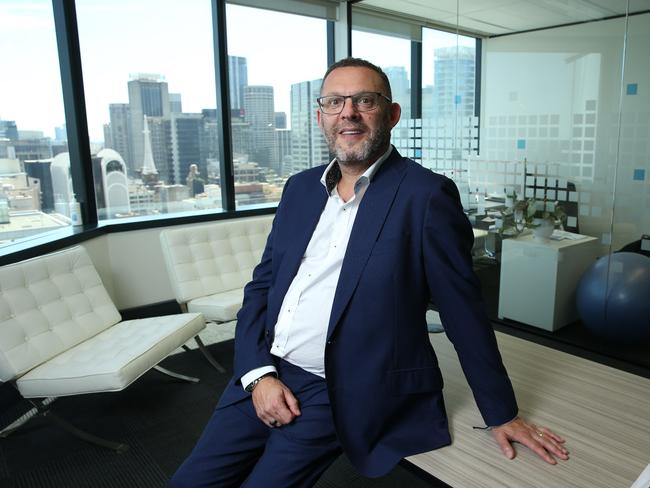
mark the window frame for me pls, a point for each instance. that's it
(67, 36)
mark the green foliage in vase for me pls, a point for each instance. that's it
(527, 213)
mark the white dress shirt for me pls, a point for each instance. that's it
(301, 329)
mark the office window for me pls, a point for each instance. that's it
(35, 187)
(276, 61)
(391, 54)
(148, 70)
(448, 74)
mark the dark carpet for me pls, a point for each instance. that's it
(160, 418)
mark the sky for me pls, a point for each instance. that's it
(122, 37)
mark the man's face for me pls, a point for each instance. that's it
(357, 138)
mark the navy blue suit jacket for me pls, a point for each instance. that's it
(410, 244)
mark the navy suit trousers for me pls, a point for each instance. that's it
(238, 449)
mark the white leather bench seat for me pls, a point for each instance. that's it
(113, 359)
(222, 307)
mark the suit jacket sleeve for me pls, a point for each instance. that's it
(448, 240)
(251, 348)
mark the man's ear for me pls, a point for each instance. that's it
(395, 114)
(318, 117)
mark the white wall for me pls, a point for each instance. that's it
(131, 266)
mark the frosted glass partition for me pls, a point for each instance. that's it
(442, 144)
(551, 98)
(632, 198)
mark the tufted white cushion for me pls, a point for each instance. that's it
(113, 359)
(221, 307)
(48, 305)
(215, 259)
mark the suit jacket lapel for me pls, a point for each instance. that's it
(369, 221)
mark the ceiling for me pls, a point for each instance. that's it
(493, 17)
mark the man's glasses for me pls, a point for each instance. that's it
(363, 102)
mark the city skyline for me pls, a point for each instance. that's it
(29, 24)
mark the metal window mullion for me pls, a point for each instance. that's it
(331, 52)
(226, 164)
(348, 9)
(416, 80)
(477, 90)
(74, 102)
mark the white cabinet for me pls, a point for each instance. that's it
(539, 279)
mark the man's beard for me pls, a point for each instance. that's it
(363, 153)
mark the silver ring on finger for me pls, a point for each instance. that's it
(273, 423)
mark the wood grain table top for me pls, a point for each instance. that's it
(603, 413)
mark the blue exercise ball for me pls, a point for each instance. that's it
(613, 298)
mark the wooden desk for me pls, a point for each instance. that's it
(603, 413)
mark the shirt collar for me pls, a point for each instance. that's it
(332, 174)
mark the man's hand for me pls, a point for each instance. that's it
(541, 440)
(274, 403)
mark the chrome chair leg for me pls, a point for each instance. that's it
(208, 355)
(178, 376)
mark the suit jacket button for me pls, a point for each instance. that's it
(331, 341)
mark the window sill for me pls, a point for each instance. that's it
(61, 238)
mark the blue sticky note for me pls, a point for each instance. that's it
(457, 99)
(632, 88)
(639, 175)
(521, 143)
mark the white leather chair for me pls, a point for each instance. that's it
(60, 333)
(209, 264)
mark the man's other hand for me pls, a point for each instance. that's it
(541, 440)
(274, 403)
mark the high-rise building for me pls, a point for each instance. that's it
(186, 137)
(148, 95)
(240, 130)
(61, 134)
(280, 120)
(40, 169)
(175, 103)
(33, 148)
(308, 146)
(8, 130)
(283, 148)
(160, 135)
(400, 87)
(238, 79)
(108, 137)
(120, 129)
(259, 113)
(453, 81)
(209, 142)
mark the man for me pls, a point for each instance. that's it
(331, 346)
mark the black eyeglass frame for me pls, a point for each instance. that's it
(352, 97)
